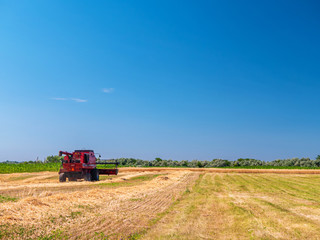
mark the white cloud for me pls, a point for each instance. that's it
(108, 90)
(70, 99)
(79, 100)
(59, 99)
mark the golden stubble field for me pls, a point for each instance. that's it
(162, 204)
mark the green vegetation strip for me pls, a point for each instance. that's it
(7, 199)
(28, 167)
(8, 231)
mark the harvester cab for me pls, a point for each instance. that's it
(82, 164)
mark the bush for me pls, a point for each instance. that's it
(219, 163)
(244, 162)
(53, 159)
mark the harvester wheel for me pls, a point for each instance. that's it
(95, 174)
(62, 177)
(88, 177)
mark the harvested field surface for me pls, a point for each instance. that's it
(36, 205)
(163, 203)
(226, 170)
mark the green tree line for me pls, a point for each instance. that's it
(53, 163)
(218, 163)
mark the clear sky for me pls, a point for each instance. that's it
(170, 79)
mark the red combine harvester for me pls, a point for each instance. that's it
(83, 164)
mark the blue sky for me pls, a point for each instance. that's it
(170, 79)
